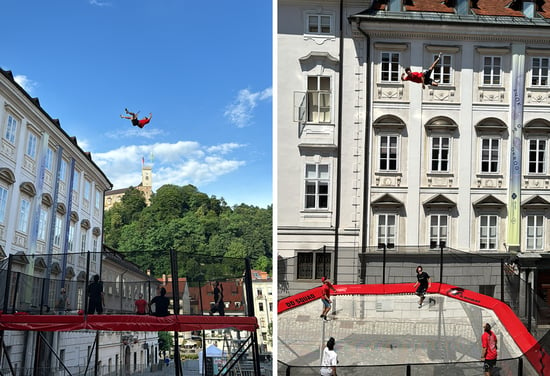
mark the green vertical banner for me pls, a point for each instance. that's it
(516, 111)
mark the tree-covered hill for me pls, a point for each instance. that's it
(189, 222)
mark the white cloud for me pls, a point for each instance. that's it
(131, 131)
(240, 112)
(100, 3)
(25, 83)
(180, 163)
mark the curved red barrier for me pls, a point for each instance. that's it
(538, 358)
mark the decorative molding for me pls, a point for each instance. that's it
(493, 50)
(391, 46)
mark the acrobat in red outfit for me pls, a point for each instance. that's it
(421, 77)
(134, 118)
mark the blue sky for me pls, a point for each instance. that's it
(202, 68)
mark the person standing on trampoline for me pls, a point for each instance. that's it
(489, 349)
(219, 305)
(325, 298)
(423, 78)
(95, 296)
(329, 360)
(423, 283)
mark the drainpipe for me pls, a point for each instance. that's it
(339, 152)
(365, 217)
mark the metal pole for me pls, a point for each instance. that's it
(502, 280)
(176, 298)
(384, 264)
(8, 283)
(441, 265)
(250, 311)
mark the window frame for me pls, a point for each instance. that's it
(488, 237)
(32, 145)
(23, 215)
(388, 159)
(538, 161)
(385, 237)
(4, 198)
(318, 182)
(11, 129)
(440, 150)
(537, 232)
(492, 71)
(393, 67)
(540, 76)
(439, 237)
(318, 95)
(305, 271)
(490, 150)
(443, 71)
(319, 17)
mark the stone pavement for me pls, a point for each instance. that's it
(389, 329)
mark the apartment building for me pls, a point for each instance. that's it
(51, 214)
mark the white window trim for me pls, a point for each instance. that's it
(498, 171)
(332, 31)
(398, 152)
(496, 231)
(450, 154)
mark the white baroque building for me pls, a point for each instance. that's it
(364, 158)
(51, 216)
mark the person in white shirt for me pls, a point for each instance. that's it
(330, 359)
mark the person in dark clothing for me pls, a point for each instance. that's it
(424, 282)
(95, 296)
(219, 305)
(161, 303)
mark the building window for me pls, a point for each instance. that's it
(539, 73)
(3, 203)
(24, 211)
(442, 71)
(42, 224)
(535, 235)
(71, 236)
(537, 156)
(490, 154)
(317, 182)
(440, 154)
(319, 24)
(76, 181)
(260, 306)
(84, 240)
(491, 70)
(386, 228)
(318, 99)
(11, 129)
(87, 188)
(31, 145)
(388, 153)
(439, 229)
(488, 232)
(49, 159)
(314, 265)
(390, 67)
(97, 199)
(57, 231)
(63, 170)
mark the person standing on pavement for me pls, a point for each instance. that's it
(424, 282)
(488, 349)
(329, 360)
(325, 298)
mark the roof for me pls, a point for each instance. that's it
(487, 12)
(9, 75)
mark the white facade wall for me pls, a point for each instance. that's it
(30, 144)
(465, 110)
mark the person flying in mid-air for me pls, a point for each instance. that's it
(134, 118)
(421, 77)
